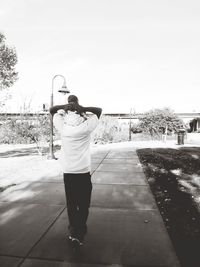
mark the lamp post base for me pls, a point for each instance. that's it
(51, 156)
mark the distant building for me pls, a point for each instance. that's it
(194, 124)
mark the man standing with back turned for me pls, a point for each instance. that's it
(75, 129)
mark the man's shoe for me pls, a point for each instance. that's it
(70, 237)
(76, 241)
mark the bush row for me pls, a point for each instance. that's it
(152, 124)
(25, 130)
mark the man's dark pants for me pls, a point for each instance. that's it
(78, 188)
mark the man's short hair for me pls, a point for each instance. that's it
(73, 99)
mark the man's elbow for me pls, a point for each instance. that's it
(99, 113)
(52, 111)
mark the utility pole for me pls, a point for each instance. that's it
(130, 124)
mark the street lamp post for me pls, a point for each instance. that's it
(63, 90)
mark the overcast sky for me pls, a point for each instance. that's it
(116, 54)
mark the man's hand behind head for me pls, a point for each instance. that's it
(79, 109)
(70, 107)
(74, 107)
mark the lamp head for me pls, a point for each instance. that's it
(64, 90)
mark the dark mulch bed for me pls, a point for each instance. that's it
(174, 178)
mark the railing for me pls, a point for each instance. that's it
(188, 115)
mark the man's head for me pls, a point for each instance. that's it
(73, 99)
(73, 104)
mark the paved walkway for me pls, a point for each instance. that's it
(125, 227)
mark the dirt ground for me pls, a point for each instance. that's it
(174, 178)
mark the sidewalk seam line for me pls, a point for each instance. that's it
(42, 235)
(98, 164)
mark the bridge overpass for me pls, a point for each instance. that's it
(188, 117)
(184, 115)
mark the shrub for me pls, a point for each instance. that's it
(110, 130)
(155, 122)
(26, 130)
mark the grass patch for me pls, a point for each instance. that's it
(174, 178)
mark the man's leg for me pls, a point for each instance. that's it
(84, 198)
(72, 202)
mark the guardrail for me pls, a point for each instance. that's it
(188, 115)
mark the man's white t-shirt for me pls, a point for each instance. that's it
(75, 144)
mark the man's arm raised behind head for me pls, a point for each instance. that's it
(54, 109)
(94, 110)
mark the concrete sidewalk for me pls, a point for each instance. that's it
(125, 227)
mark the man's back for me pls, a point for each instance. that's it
(75, 148)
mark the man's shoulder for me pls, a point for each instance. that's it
(92, 119)
(91, 122)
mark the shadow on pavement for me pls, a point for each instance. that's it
(31, 151)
